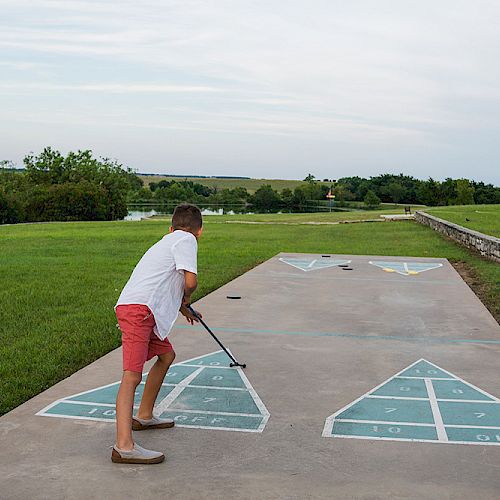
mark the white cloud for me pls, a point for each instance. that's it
(395, 74)
(119, 88)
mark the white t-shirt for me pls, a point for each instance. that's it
(158, 279)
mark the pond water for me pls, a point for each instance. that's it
(134, 214)
(138, 212)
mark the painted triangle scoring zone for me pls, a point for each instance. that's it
(202, 392)
(421, 403)
(307, 264)
(405, 268)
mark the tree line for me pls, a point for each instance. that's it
(371, 192)
(406, 189)
(79, 186)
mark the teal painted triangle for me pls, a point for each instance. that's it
(422, 402)
(219, 358)
(201, 392)
(312, 264)
(425, 369)
(405, 268)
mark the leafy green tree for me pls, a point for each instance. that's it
(465, 192)
(428, 192)
(110, 179)
(310, 178)
(363, 188)
(202, 190)
(341, 193)
(485, 193)
(371, 199)
(396, 191)
(175, 192)
(69, 201)
(143, 194)
(236, 196)
(287, 197)
(11, 211)
(299, 197)
(447, 192)
(266, 198)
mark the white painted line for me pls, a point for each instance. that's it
(487, 443)
(381, 422)
(444, 400)
(478, 401)
(441, 431)
(373, 396)
(334, 263)
(41, 413)
(88, 403)
(218, 387)
(472, 426)
(258, 402)
(208, 427)
(163, 405)
(112, 420)
(378, 438)
(92, 390)
(464, 381)
(434, 265)
(76, 417)
(290, 264)
(205, 412)
(183, 363)
(495, 399)
(209, 366)
(422, 378)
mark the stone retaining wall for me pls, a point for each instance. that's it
(488, 246)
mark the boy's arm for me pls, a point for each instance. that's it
(190, 285)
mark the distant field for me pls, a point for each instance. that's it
(251, 185)
(482, 218)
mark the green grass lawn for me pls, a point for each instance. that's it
(60, 281)
(482, 218)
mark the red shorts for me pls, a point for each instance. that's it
(139, 342)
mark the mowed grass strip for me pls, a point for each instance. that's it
(482, 218)
(60, 281)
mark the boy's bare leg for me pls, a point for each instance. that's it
(153, 384)
(124, 408)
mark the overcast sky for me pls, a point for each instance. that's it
(271, 88)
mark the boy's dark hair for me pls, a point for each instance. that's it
(187, 216)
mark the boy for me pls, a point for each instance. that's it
(160, 285)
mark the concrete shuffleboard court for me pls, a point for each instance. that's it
(396, 354)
